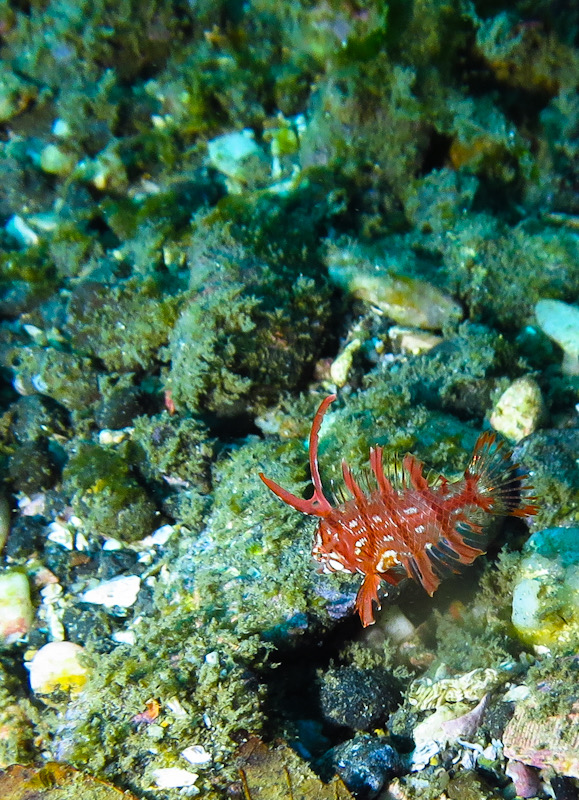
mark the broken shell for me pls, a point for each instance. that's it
(174, 778)
(542, 741)
(120, 592)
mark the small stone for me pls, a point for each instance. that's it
(238, 156)
(519, 409)
(56, 161)
(365, 763)
(404, 299)
(197, 755)
(342, 364)
(120, 592)
(174, 778)
(56, 666)
(16, 611)
(560, 321)
(19, 229)
(411, 341)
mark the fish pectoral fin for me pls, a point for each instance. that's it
(368, 594)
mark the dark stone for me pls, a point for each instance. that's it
(358, 698)
(365, 764)
(120, 407)
(26, 535)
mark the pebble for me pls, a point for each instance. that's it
(119, 592)
(16, 610)
(56, 161)
(405, 300)
(518, 411)
(560, 321)
(237, 156)
(57, 666)
(365, 764)
(174, 778)
(196, 755)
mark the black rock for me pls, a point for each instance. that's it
(365, 764)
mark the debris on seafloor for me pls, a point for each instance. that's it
(543, 741)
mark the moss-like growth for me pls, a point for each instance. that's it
(17, 718)
(250, 330)
(176, 449)
(198, 673)
(68, 378)
(106, 494)
(123, 324)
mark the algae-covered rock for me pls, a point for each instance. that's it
(123, 324)
(66, 377)
(250, 330)
(403, 298)
(106, 494)
(177, 449)
(546, 592)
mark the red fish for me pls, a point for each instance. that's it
(408, 523)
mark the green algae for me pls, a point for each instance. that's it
(124, 325)
(250, 329)
(196, 670)
(106, 494)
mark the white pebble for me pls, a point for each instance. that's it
(121, 592)
(196, 755)
(174, 777)
(57, 666)
(518, 410)
(560, 321)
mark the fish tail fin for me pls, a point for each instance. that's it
(499, 485)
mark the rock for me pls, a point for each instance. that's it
(518, 410)
(406, 300)
(546, 594)
(365, 764)
(358, 698)
(16, 611)
(57, 666)
(560, 321)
